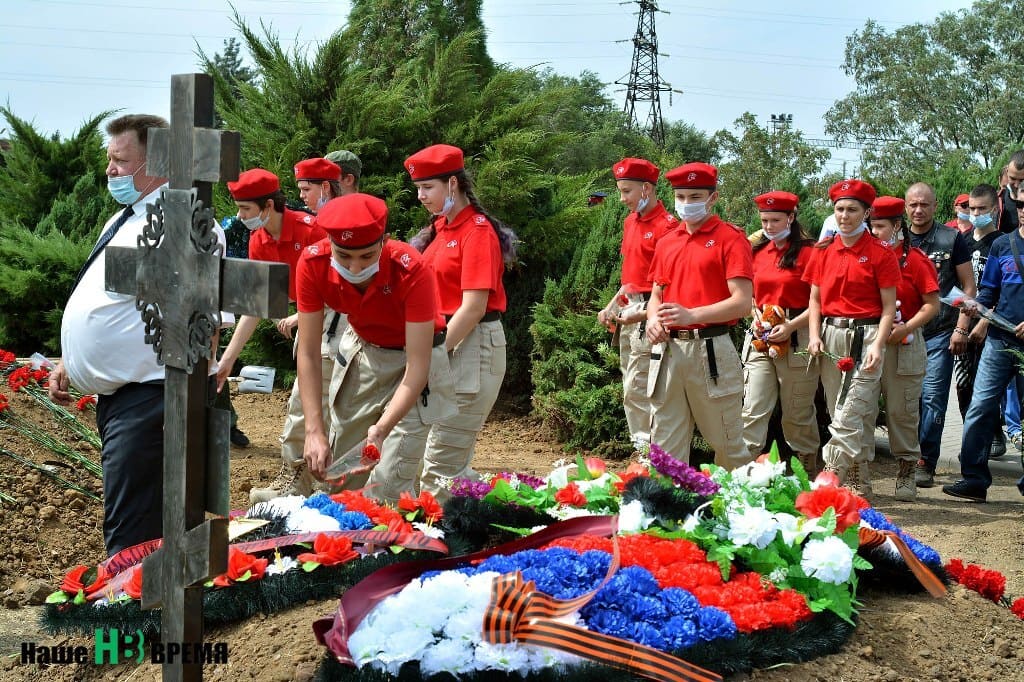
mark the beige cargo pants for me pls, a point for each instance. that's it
(902, 378)
(635, 362)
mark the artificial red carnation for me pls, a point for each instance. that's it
(1017, 607)
(19, 378)
(4, 403)
(634, 470)
(133, 588)
(845, 364)
(6, 358)
(85, 401)
(73, 582)
(571, 495)
(329, 550)
(814, 503)
(370, 453)
(428, 503)
(240, 563)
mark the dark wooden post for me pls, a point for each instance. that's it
(181, 284)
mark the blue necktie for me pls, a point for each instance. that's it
(102, 243)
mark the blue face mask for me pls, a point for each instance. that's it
(122, 188)
(322, 202)
(982, 221)
(966, 217)
(364, 275)
(642, 205)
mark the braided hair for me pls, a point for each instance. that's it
(507, 239)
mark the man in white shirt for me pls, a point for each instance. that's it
(105, 352)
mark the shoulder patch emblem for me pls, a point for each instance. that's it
(709, 244)
(480, 219)
(405, 259)
(312, 249)
(308, 219)
(452, 244)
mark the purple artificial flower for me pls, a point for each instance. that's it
(468, 487)
(681, 473)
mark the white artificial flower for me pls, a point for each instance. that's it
(562, 512)
(795, 529)
(752, 526)
(281, 564)
(690, 523)
(279, 506)
(830, 560)
(599, 482)
(759, 474)
(559, 476)
(429, 529)
(506, 657)
(632, 518)
(778, 575)
(309, 520)
(450, 656)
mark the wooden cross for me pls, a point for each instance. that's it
(181, 284)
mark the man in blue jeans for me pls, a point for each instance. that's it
(946, 335)
(1002, 288)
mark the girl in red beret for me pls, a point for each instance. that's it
(905, 356)
(780, 259)
(853, 280)
(468, 250)
(391, 377)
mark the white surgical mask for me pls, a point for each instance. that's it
(322, 201)
(256, 222)
(642, 205)
(361, 277)
(854, 232)
(691, 213)
(782, 235)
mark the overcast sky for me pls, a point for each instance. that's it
(62, 61)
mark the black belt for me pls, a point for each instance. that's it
(492, 316)
(793, 312)
(705, 333)
(850, 322)
(646, 295)
(438, 340)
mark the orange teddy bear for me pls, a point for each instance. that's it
(771, 316)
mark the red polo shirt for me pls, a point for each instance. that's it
(919, 278)
(465, 255)
(694, 269)
(298, 230)
(403, 290)
(781, 286)
(849, 278)
(640, 234)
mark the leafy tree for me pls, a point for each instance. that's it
(758, 161)
(928, 92)
(38, 169)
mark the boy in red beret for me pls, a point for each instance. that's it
(392, 379)
(278, 234)
(626, 313)
(853, 279)
(701, 278)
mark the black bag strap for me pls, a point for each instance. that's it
(1016, 254)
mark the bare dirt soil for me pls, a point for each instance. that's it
(960, 637)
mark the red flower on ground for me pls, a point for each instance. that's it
(240, 563)
(814, 503)
(4, 403)
(73, 582)
(85, 401)
(329, 550)
(133, 588)
(428, 503)
(988, 583)
(845, 364)
(19, 378)
(571, 495)
(1017, 607)
(6, 358)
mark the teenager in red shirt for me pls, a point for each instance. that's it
(853, 279)
(626, 313)
(468, 250)
(905, 355)
(391, 379)
(702, 287)
(780, 258)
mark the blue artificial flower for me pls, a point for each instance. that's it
(925, 553)
(346, 520)
(647, 634)
(714, 623)
(498, 563)
(646, 608)
(318, 501)
(606, 621)
(679, 602)
(680, 632)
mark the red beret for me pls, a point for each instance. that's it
(777, 201)
(354, 221)
(434, 162)
(640, 170)
(962, 199)
(693, 176)
(888, 207)
(853, 189)
(254, 183)
(317, 169)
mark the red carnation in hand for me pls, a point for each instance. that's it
(329, 550)
(241, 568)
(845, 364)
(846, 505)
(370, 453)
(958, 301)
(571, 495)
(85, 401)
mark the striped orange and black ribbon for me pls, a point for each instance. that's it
(871, 538)
(518, 612)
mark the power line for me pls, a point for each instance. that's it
(644, 84)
